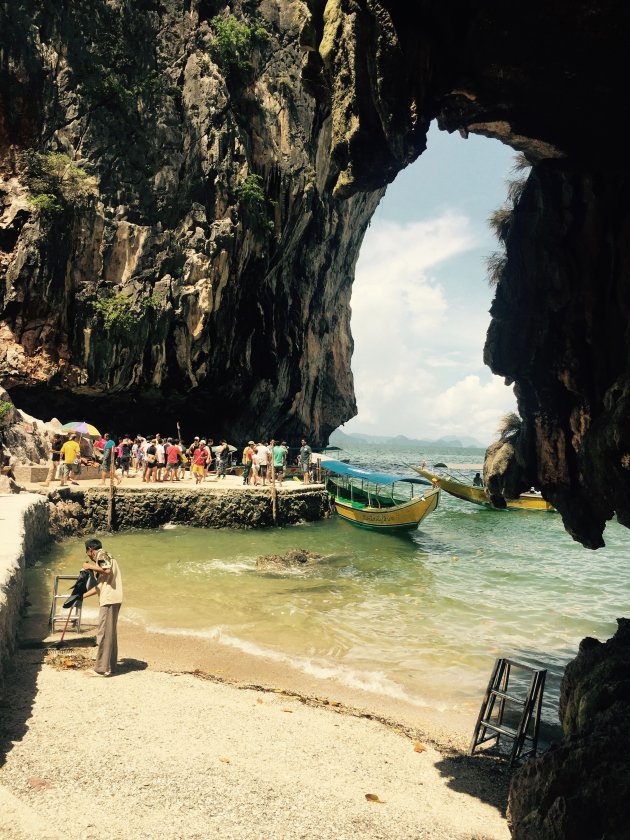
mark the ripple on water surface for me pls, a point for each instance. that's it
(421, 618)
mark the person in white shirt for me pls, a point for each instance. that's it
(109, 588)
(261, 459)
(160, 459)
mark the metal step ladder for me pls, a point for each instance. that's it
(57, 613)
(491, 725)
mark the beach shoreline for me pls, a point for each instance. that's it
(188, 653)
(202, 743)
(449, 729)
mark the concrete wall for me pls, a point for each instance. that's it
(23, 531)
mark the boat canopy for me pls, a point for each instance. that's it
(339, 468)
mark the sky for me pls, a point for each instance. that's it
(420, 299)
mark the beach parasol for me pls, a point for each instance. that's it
(81, 428)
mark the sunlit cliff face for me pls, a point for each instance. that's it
(241, 304)
(191, 263)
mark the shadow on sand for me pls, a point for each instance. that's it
(16, 700)
(126, 666)
(19, 688)
(486, 777)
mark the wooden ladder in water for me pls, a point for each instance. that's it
(490, 724)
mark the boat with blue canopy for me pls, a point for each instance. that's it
(376, 500)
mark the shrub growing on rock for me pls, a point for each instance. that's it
(56, 181)
(233, 43)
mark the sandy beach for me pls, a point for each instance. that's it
(190, 741)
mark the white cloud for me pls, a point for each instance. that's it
(469, 406)
(418, 355)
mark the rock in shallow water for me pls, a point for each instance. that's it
(295, 558)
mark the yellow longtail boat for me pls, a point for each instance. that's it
(378, 501)
(477, 495)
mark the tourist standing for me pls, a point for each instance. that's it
(261, 458)
(279, 456)
(109, 588)
(190, 452)
(160, 459)
(223, 453)
(107, 464)
(246, 461)
(304, 460)
(125, 455)
(150, 469)
(173, 457)
(55, 459)
(70, 454)
(199, 460)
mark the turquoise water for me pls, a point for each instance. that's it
(418, 617)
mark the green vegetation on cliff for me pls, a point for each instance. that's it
(500, 221)
(234, 42)
(120, 312)
(5, 409)
(56, 182)
(252, 196)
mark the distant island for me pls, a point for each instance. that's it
(339, 438)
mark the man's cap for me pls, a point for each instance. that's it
(251, 443)
(202, 441)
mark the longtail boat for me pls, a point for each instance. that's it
(459, 488)
(378, 501)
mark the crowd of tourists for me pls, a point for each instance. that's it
(159, 459)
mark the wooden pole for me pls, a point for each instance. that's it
(110, 505)
(274, 492)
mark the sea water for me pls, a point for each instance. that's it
(419, 617)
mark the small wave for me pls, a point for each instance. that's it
(231, 566)
(234, 567)
(375, 682)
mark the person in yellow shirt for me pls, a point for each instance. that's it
(70, 455)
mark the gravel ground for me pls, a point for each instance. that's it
(150, 754)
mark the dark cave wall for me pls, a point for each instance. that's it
(547, 80)
(560, 331)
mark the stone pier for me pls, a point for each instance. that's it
(82, 510)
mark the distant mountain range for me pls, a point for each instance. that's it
(339, 438)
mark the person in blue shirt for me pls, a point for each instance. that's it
(106, 463)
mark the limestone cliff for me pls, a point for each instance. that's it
(200, 270)
(549, 80)
(248, 326)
